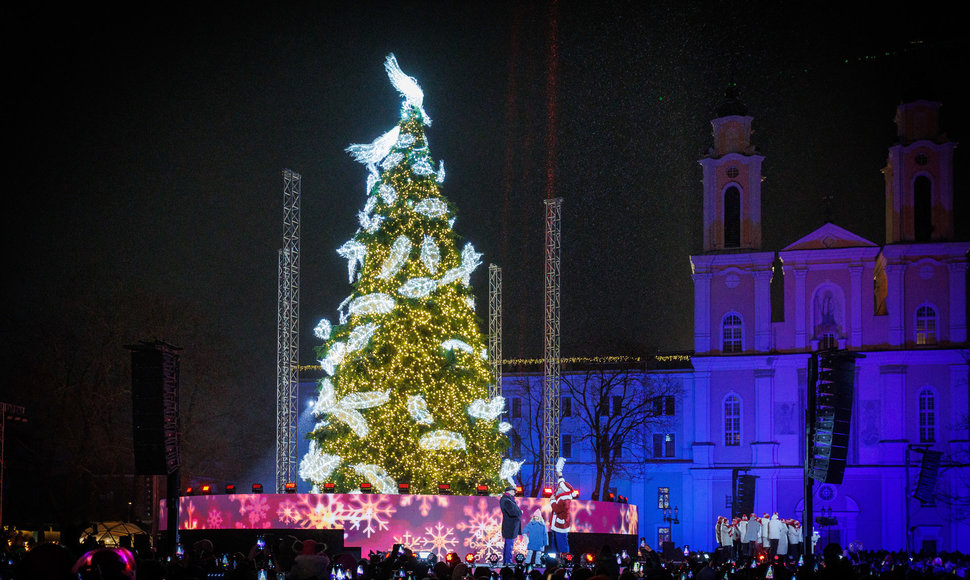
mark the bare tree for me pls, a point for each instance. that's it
(616, 408)
(524, 446)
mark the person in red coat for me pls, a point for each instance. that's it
(561, 518)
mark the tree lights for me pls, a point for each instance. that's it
(405, 397)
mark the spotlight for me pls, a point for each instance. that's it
(567, 557)
(444, 489)
(482, 489)
(520, 558)
(451, 558)
(366, 487)
(493, 559)
(470, 557)
(426, 556)
(588, 558)
(257, 488)
(290, 487)
(206, 489)
(188, 490)
(404, 488)
(549, 559)
(230, 488)
(611, 496)
(518, 491)
(547, 492)
(329, 487)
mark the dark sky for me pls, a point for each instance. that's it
(148, 148)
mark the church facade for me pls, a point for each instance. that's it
(759, 314)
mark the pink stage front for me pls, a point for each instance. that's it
(374, 522)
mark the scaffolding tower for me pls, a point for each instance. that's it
(288, 334)
(495, 329)
(550, 368)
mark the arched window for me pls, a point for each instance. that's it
(732, 333)
(925, 324)
(927, 416)
(922, 209)
(732, 218)
(732, 421)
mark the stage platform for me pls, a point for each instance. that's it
(375, 522)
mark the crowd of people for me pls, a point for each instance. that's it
(748, 537)
(286, 558)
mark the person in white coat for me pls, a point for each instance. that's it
(781, 553)
(794, 539)
(764, 531)
(774, 533)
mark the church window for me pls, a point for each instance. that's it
(922, 209)
(731, 333)
(927, 416)
(732, 218)
(732, 421)
(925, 325)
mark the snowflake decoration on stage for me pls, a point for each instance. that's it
(439, 539)
(328, 514)
(255, 510)
(627, 522)
(483, 529)
(410, 542)
(371, 514)
(288, 512)
(425, 501)
(214, 519)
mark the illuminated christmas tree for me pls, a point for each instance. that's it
(405, 396)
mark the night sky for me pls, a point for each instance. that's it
(148, 150)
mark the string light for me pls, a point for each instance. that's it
(377, 303)
(432, 208)
(396, 404)
(360, 336)
(418, 409)
(398, 255)
(377, 476)
(316, 465)
(430, 255)
(487, 410)
(442, 439)
(322, 329)
(417, 287)
(372, 153)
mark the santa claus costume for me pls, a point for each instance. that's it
(561, 518)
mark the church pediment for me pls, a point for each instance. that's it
(830, 236)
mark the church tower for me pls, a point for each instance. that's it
(732, 277)
(732, 181)
(919, 177)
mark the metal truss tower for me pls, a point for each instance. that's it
(550, 368)
(288, 334)
(495, 329)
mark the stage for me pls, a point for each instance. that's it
(375, 522)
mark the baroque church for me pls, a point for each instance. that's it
(759, 314)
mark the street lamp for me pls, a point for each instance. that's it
(670, 516)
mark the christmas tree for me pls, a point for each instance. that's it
(405, 396)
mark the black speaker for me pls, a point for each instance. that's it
(154, 399)
(745, 495)
(928, 470)
(834, 385)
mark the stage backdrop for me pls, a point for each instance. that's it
(438, 523)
